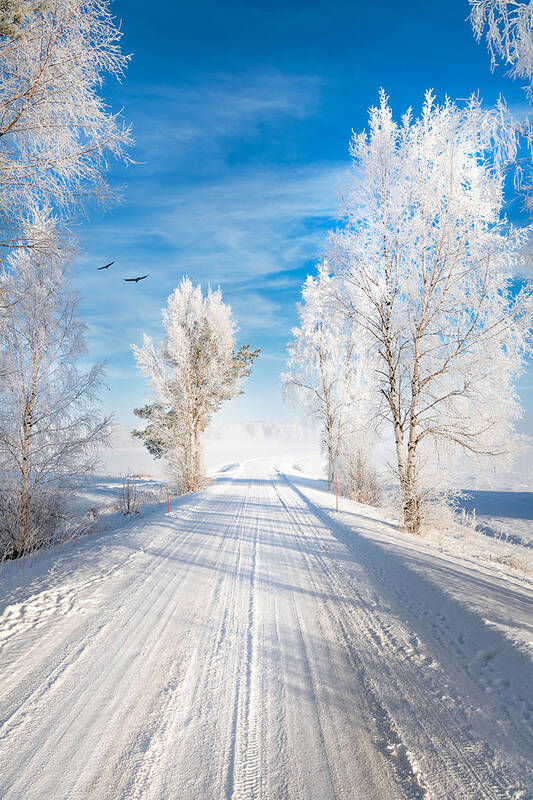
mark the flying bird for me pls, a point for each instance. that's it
(107, 265)
(136, 280)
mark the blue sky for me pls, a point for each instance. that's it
(242, 113)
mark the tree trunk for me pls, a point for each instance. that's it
(24, 511)
(331, 464)
(406, 471)
(412, 509)
(411, 503)
(193, 478)
(196, 462)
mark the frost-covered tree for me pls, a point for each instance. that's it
(50, 427)
(428, 261)
(192, 372)
(55, 130)
(329, 371)
(508, 29)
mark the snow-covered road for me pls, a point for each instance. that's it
(250, 645)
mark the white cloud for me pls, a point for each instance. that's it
(226, 107)
(233, 228)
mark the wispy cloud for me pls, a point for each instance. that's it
(252, 225)
(249, 233)
(207, 117)
(241, 225)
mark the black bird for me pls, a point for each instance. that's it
(136, 280)
(107, 265)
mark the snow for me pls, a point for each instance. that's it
(256, 643)
(242, 440)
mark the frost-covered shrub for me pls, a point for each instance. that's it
(440, 510)
(358, 480)
(129, 496)
(25, 527)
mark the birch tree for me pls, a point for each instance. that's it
(329, 369)
(508, 29)
(193, 370)
(50, 427)
(507, 26)
(428, 262)
(56, 133)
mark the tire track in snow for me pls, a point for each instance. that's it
(244, 770)
(388, 742)
(170, 665)
(153, 587)
(197, 739)
(465, 768)
(312, 681)
(89, 633)
(188, 696)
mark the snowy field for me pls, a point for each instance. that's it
(256, 643)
